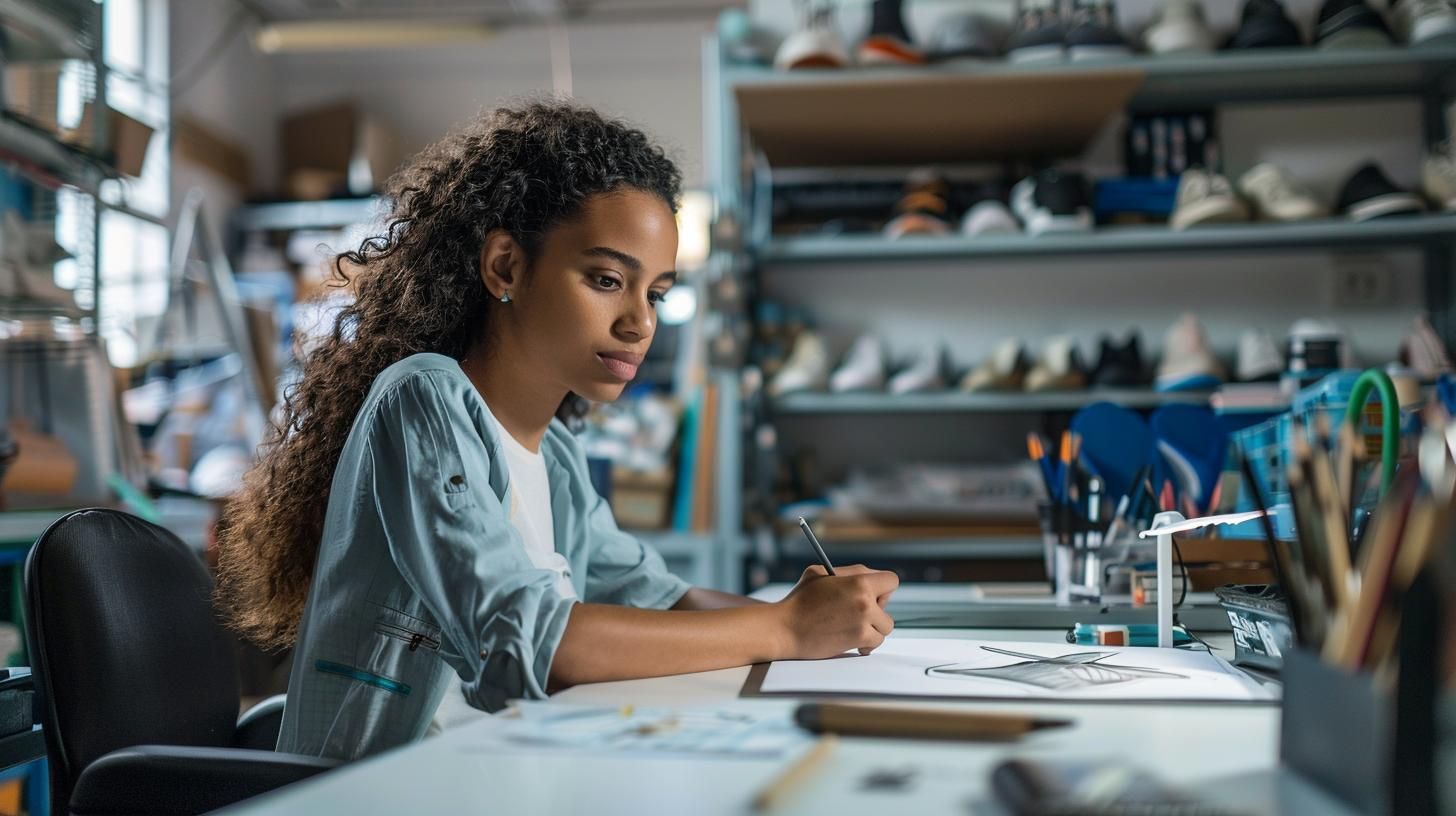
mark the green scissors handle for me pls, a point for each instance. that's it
(1374, 378)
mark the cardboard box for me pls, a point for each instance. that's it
(641, 501)
(127, 139)
(205, 147)
(337, 141)
(32, 92)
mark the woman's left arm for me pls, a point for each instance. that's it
(699, 598)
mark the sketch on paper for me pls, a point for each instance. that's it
(1055, 672)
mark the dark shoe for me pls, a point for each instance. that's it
(1351, 24)
(888, 42)
(1039, 34)
(1265, 25)
(1120, 366)
(1369, 194)
(1052, 201)
(967, 37)
(1093, 32)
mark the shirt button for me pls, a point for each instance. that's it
(483, 653)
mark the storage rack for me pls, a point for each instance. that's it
(757, 115)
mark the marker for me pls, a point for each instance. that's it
(814, 542)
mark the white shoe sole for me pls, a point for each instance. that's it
(1041, 223)
(1433, 28)
(1388, 204)
(1209, 211)
(1179, 39)
(1303, 211)
(1355, 38)
(1090, 53)
(1037, 53)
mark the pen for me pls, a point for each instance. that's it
(814, 542)
(795, 775)
(858, 719)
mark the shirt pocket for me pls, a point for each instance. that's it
(416, 634)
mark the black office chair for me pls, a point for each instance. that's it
(136, 681)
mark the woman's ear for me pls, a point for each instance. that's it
(502, 264)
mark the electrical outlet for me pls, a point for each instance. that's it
(1362, 281)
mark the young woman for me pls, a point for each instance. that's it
(421, 511)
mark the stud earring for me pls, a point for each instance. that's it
(506, 298)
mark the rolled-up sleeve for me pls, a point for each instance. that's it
(501, 618)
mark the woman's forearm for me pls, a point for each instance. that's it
(701, 598)
(605, 642)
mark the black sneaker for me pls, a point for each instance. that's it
(1040, 31)
(888, 42)
(1120, 366)
(1351, 24)
(1052, 201)
(1093, 33)
(1369, 194)
(1265, 25)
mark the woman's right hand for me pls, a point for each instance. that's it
(828, 615)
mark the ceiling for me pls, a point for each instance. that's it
(493, 11)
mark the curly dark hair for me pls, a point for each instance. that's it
(524, 169)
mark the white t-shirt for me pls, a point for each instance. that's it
(530, 510)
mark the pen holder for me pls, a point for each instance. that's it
(1338, 731)
(1073, 566)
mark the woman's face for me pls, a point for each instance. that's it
(588, 308)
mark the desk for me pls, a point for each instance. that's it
(1228, 750)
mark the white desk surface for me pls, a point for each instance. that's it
(1227, 753)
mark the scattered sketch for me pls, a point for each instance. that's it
(1067, 672)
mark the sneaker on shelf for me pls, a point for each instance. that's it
(1059, 368)
(1278, 196)
(1424, 22)
(1260, 359)
(806, 369)
(1369, 194)
(1120, 365)
(1264, 24)
(1092, 32)
(815, 44)
(989, 217)
(1039, 33)
(967, 36)
(863, 368)
(1180, 28)
(1350, 24)
(1206, 198)
(923, 207)
(925, 372)
(1004, 370)
(1438, 177)
(888, 42)
(1317, 345)
(1187, 364)
(1423, 352)
(1052, 201)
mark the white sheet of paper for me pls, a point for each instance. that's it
(922, 667)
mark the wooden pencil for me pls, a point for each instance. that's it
(795, 775)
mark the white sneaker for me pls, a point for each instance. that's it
(863, 368)
(1206, 198)
(926, 372)
(1059, 368)
(989, 217)
(1318, 345)
(814, 45)
(1180, 28)
(1423, 351)
(1259, 357)
(1279, 196)
(806, 369)
(1187, 364)
(1423, 21)
(1004, 370)
(1438, 177)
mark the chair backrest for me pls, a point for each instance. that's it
(124, 643)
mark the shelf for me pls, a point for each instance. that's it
(294, 215)
(41, 153)
(1329, 233)
(43, 34)
(1011, 547)
(935, 113)
(950, 402)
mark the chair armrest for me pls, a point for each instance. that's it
(169, 780)
(258, 726)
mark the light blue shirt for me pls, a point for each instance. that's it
(420, 571)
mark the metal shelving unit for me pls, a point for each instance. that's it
(819, 107)
(810, 402)
(1325, 234)
(295, 215)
